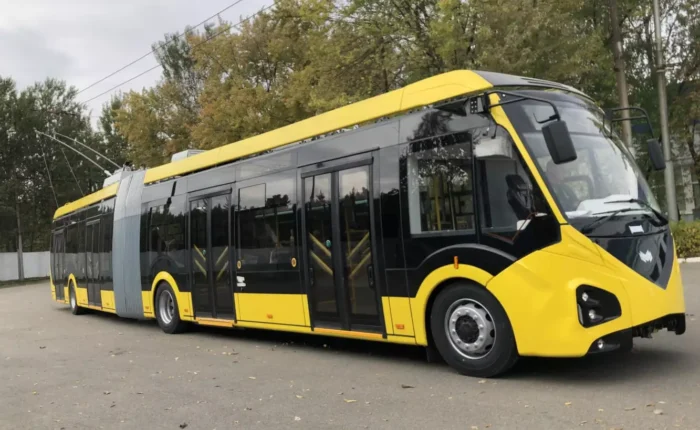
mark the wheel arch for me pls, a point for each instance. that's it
(430, 288)
(183, 299)
(72, 282)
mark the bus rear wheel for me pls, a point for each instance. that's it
(472, 332)
(73, 300)
(167, 311)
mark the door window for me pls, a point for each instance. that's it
(356, 243)
(338, 213)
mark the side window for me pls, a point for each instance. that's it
(251, 226)
(157, 230)
(71, 239)
(280, 222)
(507, 194)
(106, 255)
(267, 225)
(166, 232)
(440, 184)
(71, 260)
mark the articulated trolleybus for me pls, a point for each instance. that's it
(481, 215)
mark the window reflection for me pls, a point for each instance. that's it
(440, 184)
(267, 223)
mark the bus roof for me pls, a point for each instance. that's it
(95, 197)
(421, 93)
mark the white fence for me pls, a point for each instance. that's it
(36, 265)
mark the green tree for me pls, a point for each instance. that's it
(34, 173)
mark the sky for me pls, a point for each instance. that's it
(81, 42)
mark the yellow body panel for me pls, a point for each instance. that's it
(95, 197)
(271, 308)
(388, 324)
(107, 298)
(538, 293)
(401, 316)
(214, 322)
(81, 296)
(348, 334)
(53, 289)
(324, 332)
(419, 303)
(305, 305)
(427, 91)
(184, 299)
(277, 327)
(148, 302)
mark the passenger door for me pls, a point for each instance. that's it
(92, 255)
(58, 256)
(339, 247)
(210, 254)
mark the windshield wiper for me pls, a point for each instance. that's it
(642, 203)
(590, 226)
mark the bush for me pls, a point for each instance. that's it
(687, 238)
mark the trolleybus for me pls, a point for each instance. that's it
(482, 215)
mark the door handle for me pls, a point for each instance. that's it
(370, 275)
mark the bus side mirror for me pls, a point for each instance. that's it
(559, 143)
(656, 154)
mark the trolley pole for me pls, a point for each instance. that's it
(669, 175)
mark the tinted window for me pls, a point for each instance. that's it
(106, 255)
(507, 193)
(251, 222)
(267, 224)
(80, 272)
(437, 122)
(165, 238)
(440, 184)
(166, 230)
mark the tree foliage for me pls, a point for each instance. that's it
(304, 57)
(35, 177)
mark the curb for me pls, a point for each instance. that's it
(689, 260)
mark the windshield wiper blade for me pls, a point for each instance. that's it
(642, 203)
(590, 226)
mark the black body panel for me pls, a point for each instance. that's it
(488, 259)
(641, 242)
(650, 255)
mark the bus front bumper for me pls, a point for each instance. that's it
(622, 340)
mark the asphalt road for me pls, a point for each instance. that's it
(98, 371)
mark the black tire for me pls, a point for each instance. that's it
(473, 299)
(73, 301)
(167, 310)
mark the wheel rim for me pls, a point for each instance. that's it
(470, 329)
(73, 303)
(166, 307)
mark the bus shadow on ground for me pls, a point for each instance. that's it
(648, 361)
(645, 360)
(651, 364)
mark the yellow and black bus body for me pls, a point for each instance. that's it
(420, 217)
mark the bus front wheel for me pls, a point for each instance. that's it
(472, 332)
(167, 311)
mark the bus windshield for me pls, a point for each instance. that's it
(603, 179)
